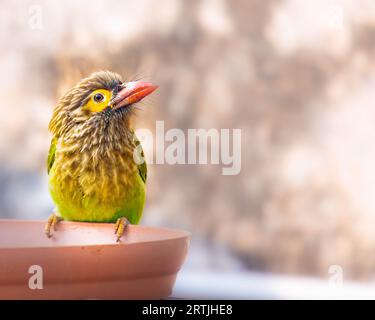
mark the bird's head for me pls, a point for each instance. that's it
(102, 101)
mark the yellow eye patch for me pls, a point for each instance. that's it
(98, 100)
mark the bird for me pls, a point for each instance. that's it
(95, 165)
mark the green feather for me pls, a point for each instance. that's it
(78, 198)
(51, 154)
(143, 166)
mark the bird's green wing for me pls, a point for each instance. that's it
(142, 168)
(51, 154)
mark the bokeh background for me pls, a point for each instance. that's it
(298, 77)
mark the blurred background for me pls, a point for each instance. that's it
(297, 77)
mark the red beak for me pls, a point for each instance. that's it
(132, 92)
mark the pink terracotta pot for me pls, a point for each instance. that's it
(83, 261)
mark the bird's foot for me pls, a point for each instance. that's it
(52, 221)
(120, 226)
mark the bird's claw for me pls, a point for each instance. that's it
(52, 221)
(120, 226)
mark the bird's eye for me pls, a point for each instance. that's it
(98, 97)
